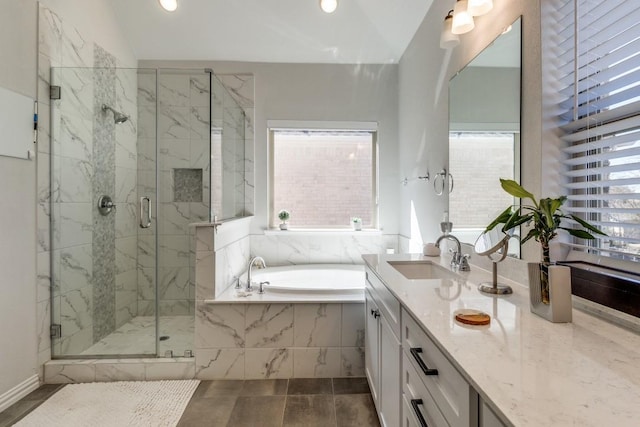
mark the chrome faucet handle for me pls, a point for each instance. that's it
(464, 263)
(455, 259)
(261, 288)
(238, 286)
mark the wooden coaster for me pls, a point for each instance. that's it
(473, 317)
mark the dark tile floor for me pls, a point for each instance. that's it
(322, 402)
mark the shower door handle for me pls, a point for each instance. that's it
(145, 222)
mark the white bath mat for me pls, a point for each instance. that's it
(117, 404)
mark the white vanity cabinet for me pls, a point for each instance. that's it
(383, 350)
(431, 379)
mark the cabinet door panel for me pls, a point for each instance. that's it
(372, 347)
(390, 376)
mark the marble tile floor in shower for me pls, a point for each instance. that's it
(321, 402)
(138, 337)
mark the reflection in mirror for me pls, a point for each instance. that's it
(484, 135)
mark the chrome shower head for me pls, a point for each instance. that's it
(118, 117)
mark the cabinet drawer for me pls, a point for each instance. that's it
(451, 392)
(387, 303)
(416, 400)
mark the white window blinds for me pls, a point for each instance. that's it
(601, 116)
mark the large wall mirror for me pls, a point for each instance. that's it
(484, 135)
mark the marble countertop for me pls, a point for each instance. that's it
(530, 371)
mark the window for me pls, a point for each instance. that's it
(602, 116)
(324, 178)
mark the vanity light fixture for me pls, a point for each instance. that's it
(480, 7)
(448, 40)
(169, 5)
(462, 19)
(328, 6)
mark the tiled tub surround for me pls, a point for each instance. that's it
(320, 247)
(528, 370)
(267, 336)
(279, 340)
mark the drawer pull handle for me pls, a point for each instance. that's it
(415, 352)
(414, 405)
(375, 313)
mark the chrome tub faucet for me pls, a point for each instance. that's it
(256, 260)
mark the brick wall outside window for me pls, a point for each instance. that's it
(323, 178)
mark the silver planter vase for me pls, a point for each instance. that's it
(558, 309)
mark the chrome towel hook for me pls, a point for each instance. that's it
(440, 182)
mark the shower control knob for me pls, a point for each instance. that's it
(105, 205)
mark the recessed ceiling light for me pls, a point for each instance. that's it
(328, 6)
(169, 5)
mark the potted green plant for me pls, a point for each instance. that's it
(545, 218)
(284, 216)
(356, 222)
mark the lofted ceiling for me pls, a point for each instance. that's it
(359, 31)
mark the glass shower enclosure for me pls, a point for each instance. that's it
(130, 170)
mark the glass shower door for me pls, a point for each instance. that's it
(184, 161)
(103, 197)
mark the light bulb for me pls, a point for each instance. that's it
(462, 19)
(448, 40)
(328, 6)
(479, 7)
(169, 5)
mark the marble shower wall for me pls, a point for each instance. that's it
(76, 140)
(183, 162)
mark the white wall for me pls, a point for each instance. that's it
(424, 73)
(18, 350)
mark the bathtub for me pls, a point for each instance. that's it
(312, 278)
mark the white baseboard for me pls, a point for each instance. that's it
(18, 392)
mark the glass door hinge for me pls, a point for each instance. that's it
(55, 331)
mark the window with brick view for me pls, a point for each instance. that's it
(323, 178)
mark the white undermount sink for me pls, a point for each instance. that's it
(420, 270)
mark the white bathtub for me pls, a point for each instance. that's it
(312, 278)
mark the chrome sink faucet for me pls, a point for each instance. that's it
(458, 261)
(254, 260)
